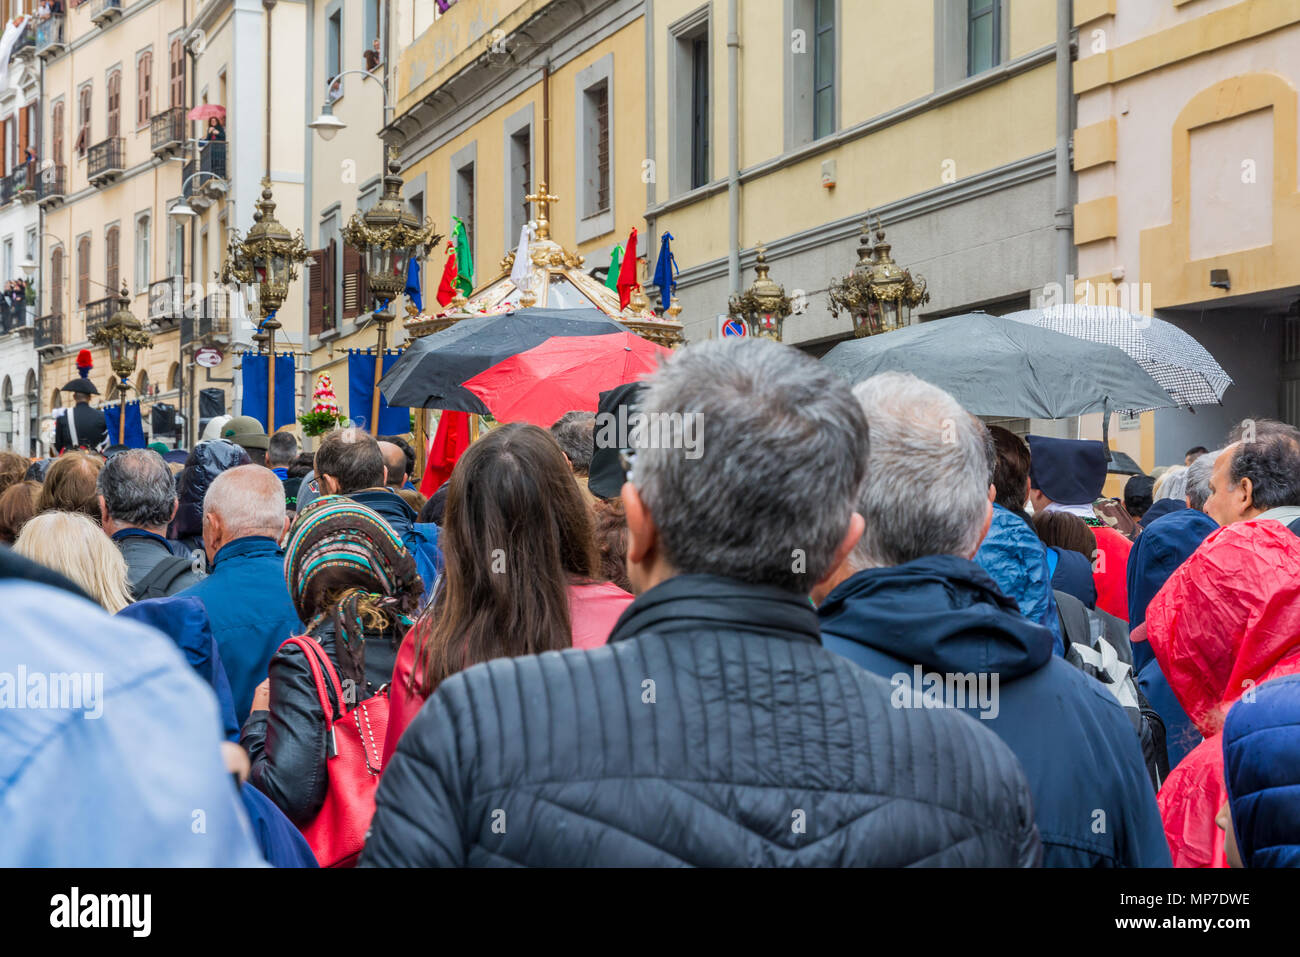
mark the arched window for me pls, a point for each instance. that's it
(142, 384)
(56, 281)
(83, 270)
(115, 104)
(56, 400)
(143, 89)
(7, 397)
(33, 413)
(111, 259)
(174, 377)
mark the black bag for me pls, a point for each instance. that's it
(157, 583)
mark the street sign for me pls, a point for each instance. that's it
(734, 328)
(208, 357)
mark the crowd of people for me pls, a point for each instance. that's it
(852, 626)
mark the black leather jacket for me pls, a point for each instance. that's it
(287, 744)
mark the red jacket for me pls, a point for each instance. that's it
(593, 610)
(1110, 571)
(1226, 621)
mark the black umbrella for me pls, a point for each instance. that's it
(81, 385)
(430, 372)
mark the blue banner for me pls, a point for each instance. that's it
(361, 389)
(254, 403)
(134, 427)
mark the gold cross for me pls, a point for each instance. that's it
(542, 201)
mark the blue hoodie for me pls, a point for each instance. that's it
(1092, 796)
(1261, 767)
(1015, 558)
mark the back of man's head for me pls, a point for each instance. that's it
(927, 487)
(394, 464)
(1138, 494)
(352, 458)
(749, 459)
(281, 450)
(575, 434)
(1011, 473)
(1272, 463)
(249, 500)
(408, 450)
(1198, 479)
(138, 489)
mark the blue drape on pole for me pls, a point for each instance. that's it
(254, 403)
(134, 427)
(361, 388)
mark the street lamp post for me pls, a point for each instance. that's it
(388, 236)
(764, 306)
(124, 336)
(878, 294)
(269, 256)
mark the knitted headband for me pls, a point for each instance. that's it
(337, 544)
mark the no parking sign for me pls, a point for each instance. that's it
(729, 327)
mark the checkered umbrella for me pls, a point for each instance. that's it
(1178, 362)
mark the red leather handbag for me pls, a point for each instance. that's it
(354, 759)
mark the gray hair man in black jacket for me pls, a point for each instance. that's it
(713, 729)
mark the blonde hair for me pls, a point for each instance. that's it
(75, 547)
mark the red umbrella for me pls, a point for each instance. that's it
(563, 374)
(206, 111)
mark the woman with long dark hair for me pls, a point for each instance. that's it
(356, 590)
(520, 570)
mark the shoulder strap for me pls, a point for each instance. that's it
(322, 670)
(161, 577)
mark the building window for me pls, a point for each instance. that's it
(465, 202)
(690, 104)
(56, 133)
(521, 180)
(115, 104)
(334, 53)
(111, 248)
(371, 34)
(595, 146)
(56, 282)
(176, 73)
(824, 69)
(176, 250)
(143, 89)
(983, 35)
(83, 120)
(142, 254)
(83, 271)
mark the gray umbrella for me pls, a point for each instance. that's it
(1178, 362)
(995, 366)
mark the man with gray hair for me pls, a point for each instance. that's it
(575, 433)
(137, 501)
(909, 604)
(712, 729)
(245, 593)
(1198, 480)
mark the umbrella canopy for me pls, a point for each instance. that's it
(206, 111)
(562, 375)
(81, 385)
(431, 371)
(1178, 362)
(996, 366)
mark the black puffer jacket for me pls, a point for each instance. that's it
(207, 460)
(712, 730)
(286, 745)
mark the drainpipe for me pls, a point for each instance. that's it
(308, 214)
(733, 142)
(649, 21)
(1064, 129)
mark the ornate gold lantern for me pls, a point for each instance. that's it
(877, 294)
(764, 306)
(124, 336)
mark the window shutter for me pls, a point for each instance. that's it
(83, 271)
(56, 282)
(351, 290)
(110, 256)
(176, 73)
(4, 147)
(316, 293)
(142, 88)
(56, 134)
(330, 280)
(115, 105)
(23, 138)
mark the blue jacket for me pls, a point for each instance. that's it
(1016, 559)
(1072, 574)
(185, 621)
(428, 556)
(392, 508)
(1160, 508)
(1164, 545)
(131, 778)
(282, 844)
(250, 612)
(1076, 745)
(1261, 766)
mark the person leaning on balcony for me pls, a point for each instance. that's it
(216, 130)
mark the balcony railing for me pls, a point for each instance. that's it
(215, 314)
(7, 193)
(49, 331)
(25, 177)
(106, 160)
(98, 312)
(167, 130)
(50, 183)
(103, 12)
(166, 300)
(212, 158)
(50, 40)
(25, 45)
(15, 317)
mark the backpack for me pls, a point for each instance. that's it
(354, 743)
(1097, 644)
(157, 583)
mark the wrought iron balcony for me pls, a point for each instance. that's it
(167, 131)
(50, 183)
(25, 45)
(212, 159)
(25, 178)
(166, 301)
(105, 161)
(50, 35)
(6, 190)
(49, 331)
(104, 12)
(99, 312)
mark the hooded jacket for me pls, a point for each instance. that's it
(943, 616)
(1072, 574)
(1166, 543)
(392, 508)
(250, 611)
(711, 730)
(207, 461)
(115, 782)
(1016, 559)
(1227, 620)
(1261, 763)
